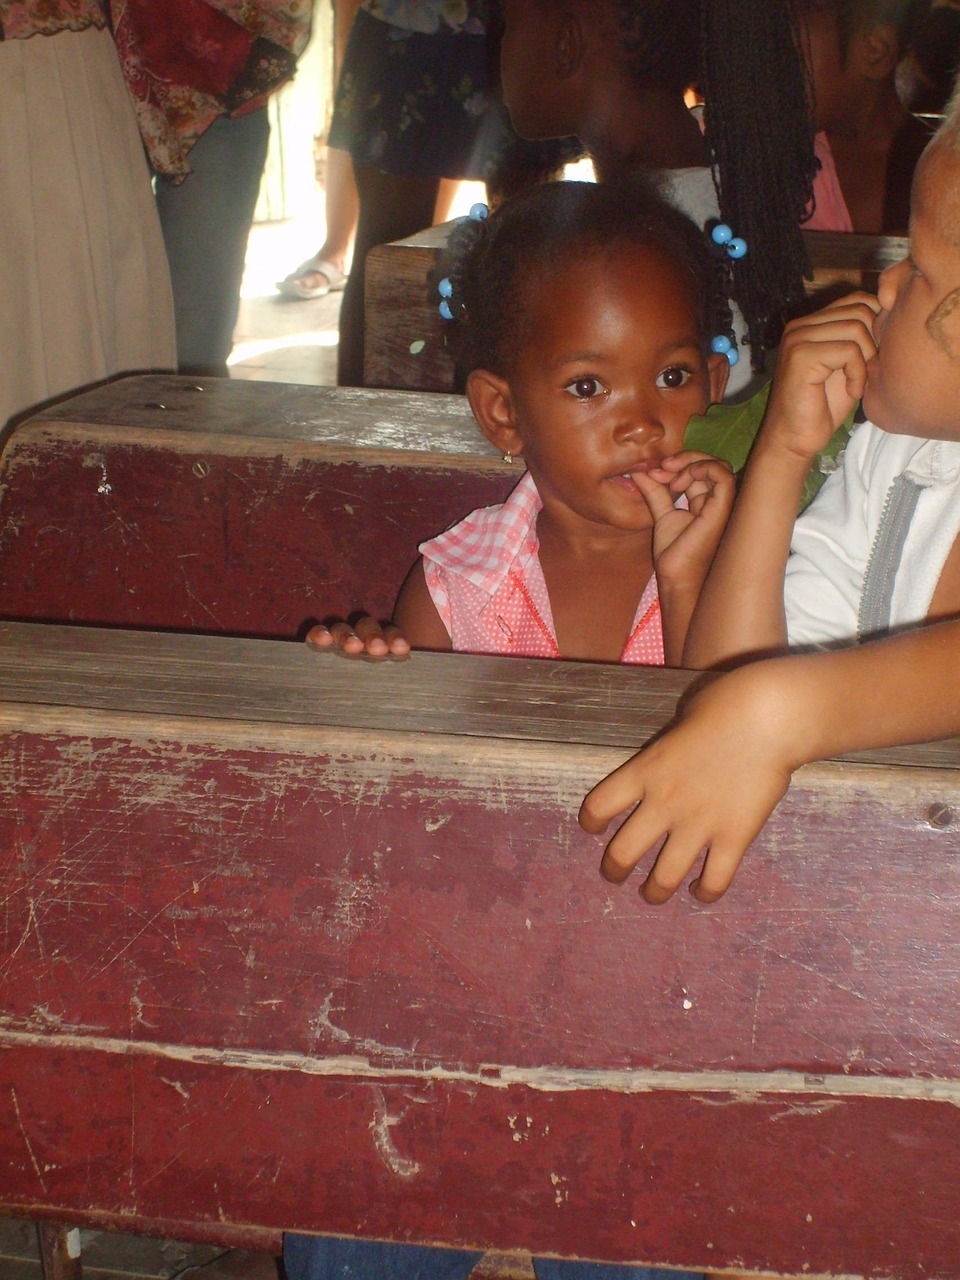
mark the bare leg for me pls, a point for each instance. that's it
(391, 207)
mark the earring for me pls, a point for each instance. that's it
(508, 458)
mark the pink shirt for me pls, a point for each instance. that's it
(830, 209)
(484, 577)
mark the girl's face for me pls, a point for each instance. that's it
(609, 374)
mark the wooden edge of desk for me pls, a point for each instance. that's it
(246, 418)
(275, 683)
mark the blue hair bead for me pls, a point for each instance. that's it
(479, 211)
(721, 234)
(733, 355)
(737, 248)
(445, 288)
(721, 344)
(444, 309)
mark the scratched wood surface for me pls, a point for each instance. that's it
(401, 311)
(263, 968)
(231, 507)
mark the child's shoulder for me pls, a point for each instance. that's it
(482, 542)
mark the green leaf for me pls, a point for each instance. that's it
(729, 430)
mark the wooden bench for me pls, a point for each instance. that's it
(401, 314)
(231, 507)
(290, 942)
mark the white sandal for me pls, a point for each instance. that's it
(293, 287)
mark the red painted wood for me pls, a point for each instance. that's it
(253, 547)
(147, 504)
(162, 870)
(804, 1181)
(323, 984)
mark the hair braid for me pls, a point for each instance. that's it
(759, 130)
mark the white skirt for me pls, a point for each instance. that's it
(84, 284)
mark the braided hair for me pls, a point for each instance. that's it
(746, 57)
(491, 266)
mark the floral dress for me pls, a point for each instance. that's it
(186, 62)
(414, 96)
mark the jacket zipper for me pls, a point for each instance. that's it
(876, 595)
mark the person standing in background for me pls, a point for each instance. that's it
(86, 291)
(200, 73)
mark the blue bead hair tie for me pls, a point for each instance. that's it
(445, 288)
(725, 345)
(723, 237)
(479, 211)
(444, 309)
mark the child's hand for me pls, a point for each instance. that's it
(821, 374)
(684, 542)
(709, 783)
(364, 638)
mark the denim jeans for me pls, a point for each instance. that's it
(329, 1258)
(206, 221)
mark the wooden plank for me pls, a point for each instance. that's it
(601, 704)
(243, 508)
(265, 973)
(400, 313)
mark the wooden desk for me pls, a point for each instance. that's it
(399, 308)
(295, 943)
(242, 508)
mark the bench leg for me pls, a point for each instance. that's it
(59, 1251)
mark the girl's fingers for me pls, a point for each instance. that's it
(655, 493)
(667, 874)
(719, 868)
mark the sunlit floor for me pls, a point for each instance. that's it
(281, 339)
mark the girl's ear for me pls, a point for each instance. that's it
(718, 372)
(491, 400)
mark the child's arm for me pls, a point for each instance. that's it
(417, 625)
(685, 541)
(713, 780)
(821, 373)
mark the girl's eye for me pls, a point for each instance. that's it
(674, 377)
(585, 388)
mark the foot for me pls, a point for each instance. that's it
(314, 278)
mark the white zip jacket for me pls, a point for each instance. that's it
(867, 554)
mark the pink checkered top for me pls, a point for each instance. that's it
(484, 577)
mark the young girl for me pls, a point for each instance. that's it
(585, 315)
(614, 73)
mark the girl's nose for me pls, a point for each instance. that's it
(639, 421)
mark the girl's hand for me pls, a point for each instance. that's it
(684, 542)
(821, 374)
(365, 638)
(710, 783)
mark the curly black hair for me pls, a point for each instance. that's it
(746, 58)
(493, 264)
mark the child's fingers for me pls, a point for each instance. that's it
(667, 874)
(655, 493)
(826, 330)
(618, 791)
(365, 638)
(676, 462)
(719, 868)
